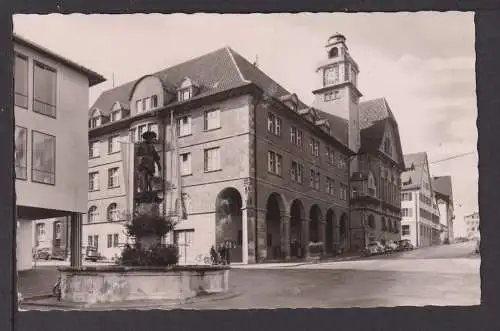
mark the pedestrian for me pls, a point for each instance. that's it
(228, 252)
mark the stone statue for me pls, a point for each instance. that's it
(147, 158)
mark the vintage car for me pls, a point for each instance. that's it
(373, 248)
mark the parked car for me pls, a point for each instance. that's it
(91, 254)
(373, 248)
(405, 245)
(390, 246)
(42, 254)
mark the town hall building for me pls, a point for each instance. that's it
(245, 161)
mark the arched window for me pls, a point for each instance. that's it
(334, 52)
(112, 212)
(92, 215)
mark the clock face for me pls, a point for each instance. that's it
(331, 75)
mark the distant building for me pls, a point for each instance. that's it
(443, 191)
(419, 209)
(472, 224)
(53, 234)
(50, 103)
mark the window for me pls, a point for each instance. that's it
(140, 130)
(44, 90)
(115, 240)
(113, 213)
(314, 147)
(330, 186)
(154, 101)
(90, 241)
(297, 172)
(133, 133)
(212, 120)
(21, 149)
(343, 192)
(296, 136)
(334, 52)
(57, 230)
(314, 179)
(40, 231)
(407, 212)
(334, 95)
(96, 241)
(113, 178)
(110, 240)
(342, 163)
(274, 124)
(185, 94)
(346, 72)
(21, 81)
(94, 181)
(184, 126)
(114, 144)
(94, 149)
(212, 159)
(274, 163)
(43, 158)
(330, 155)
(93, 214)
(138, 105)
(186, 164)
(146, 104)
(406, 196)
(406, 230)
(116, 115)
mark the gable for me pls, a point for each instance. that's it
(390, 143)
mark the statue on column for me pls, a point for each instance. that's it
(147, 157)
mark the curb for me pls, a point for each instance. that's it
(38, 297)
(153, 304)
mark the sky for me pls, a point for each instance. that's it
(422, 63)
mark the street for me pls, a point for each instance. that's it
(439, 275)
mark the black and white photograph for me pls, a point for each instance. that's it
(246, 161)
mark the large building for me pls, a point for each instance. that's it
(51, 96)
(472, 224)
(444, 195)
(245, 159)
(52, 234)
(419, 209)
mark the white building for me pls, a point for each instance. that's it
(444, 195)
(420, 213)
(472, 224)
(51, 96)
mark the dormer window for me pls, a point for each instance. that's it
(116, 115)
(96, 119)
(185, 94)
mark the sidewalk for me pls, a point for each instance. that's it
(298, 263)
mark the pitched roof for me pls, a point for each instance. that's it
(374, 110)
(217, 71)
(214, 72)
(371, 136)
(442, 185)
(415, 164)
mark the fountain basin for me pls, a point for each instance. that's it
(103, 284)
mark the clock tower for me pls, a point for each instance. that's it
(336, 90)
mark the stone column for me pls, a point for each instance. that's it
(248, 235)
(285, 237)
(322, 233)
(305, 237)
(261, 235)
(76, 240)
